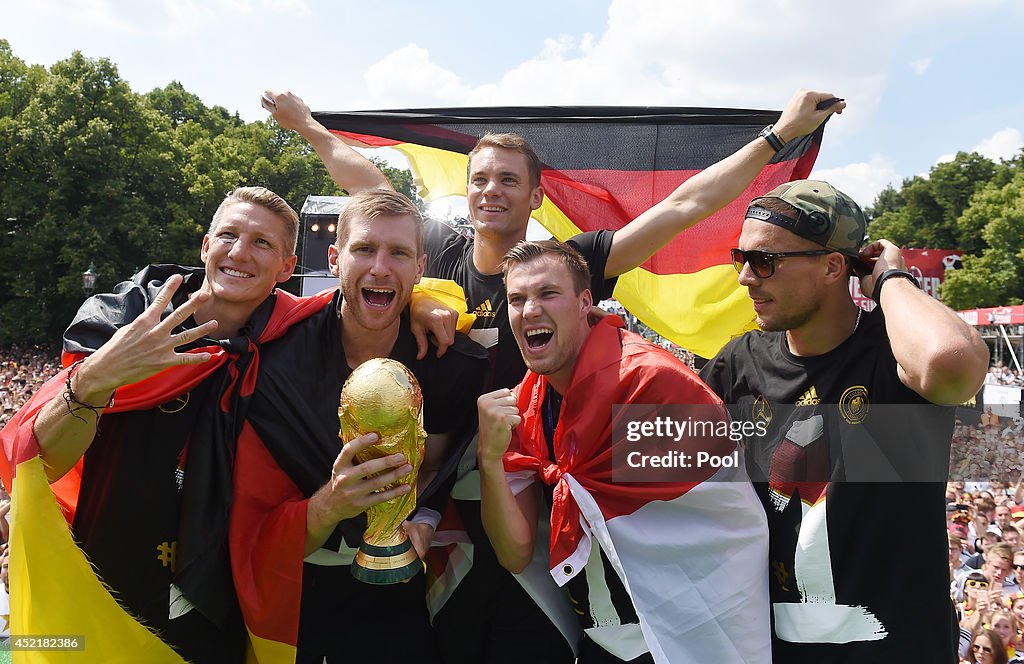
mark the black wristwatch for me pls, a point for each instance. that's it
(768, 134)
(889, 274)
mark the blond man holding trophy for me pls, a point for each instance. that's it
(298, 519)
(383, 397)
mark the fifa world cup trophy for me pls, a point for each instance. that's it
(382, 396)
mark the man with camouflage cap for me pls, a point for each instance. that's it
(822, 375)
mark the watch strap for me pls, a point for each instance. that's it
(890, 274)
(768, 134)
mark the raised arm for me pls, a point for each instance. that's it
(350, 170)
(66, 425)
(714, 187)
(940, 357)
(510, 521)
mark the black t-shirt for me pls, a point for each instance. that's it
(450, 256)
(835, 596)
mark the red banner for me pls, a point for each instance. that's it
(1012, 315)
(928, 265)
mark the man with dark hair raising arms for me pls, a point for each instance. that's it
(822, 373)
(502, 190)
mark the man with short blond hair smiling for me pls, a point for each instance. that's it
(163, 447)
(307, 499)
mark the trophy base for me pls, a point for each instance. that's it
(383, 565)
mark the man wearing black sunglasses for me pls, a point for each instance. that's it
(819, 365)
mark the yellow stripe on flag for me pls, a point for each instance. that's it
(438, 173)
(54, 590)
(701, 312)
(264, 651)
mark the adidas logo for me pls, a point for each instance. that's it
(809, 398)
(485, 310)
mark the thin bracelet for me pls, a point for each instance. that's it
(70, 397)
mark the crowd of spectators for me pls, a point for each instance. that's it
(985, 520)
(992, 449)
(999, 374)
(23, 369)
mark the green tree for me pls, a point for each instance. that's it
(888, 200)
(996, 277)
(181, 106)
(94, 173)
(402, 180)
(89, 177)
(989, 280)
(924, 212)
(18, 81)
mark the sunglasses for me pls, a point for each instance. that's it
(977, 647)
(762, 263)
(971, 583)
(1018, 566)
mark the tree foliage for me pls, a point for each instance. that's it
(88, 176)
(94, 173)
(970, 203)
(996, 276)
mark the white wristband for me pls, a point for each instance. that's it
(428, 516)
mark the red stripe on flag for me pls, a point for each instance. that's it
(595, 199)
(431, 135)
(372, 141)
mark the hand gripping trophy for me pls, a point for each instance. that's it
(382, 396)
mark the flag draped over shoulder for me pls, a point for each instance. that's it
(52, 578)
(603, 167)
(56, 591)
(691, 553)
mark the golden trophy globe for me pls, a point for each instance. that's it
(382, 396)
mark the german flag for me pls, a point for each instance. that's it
(602, 167)
(56, 591)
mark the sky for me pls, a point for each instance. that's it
(923, 78)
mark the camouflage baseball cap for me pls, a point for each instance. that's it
(826, 215)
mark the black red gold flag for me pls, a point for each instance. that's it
(602, 167)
